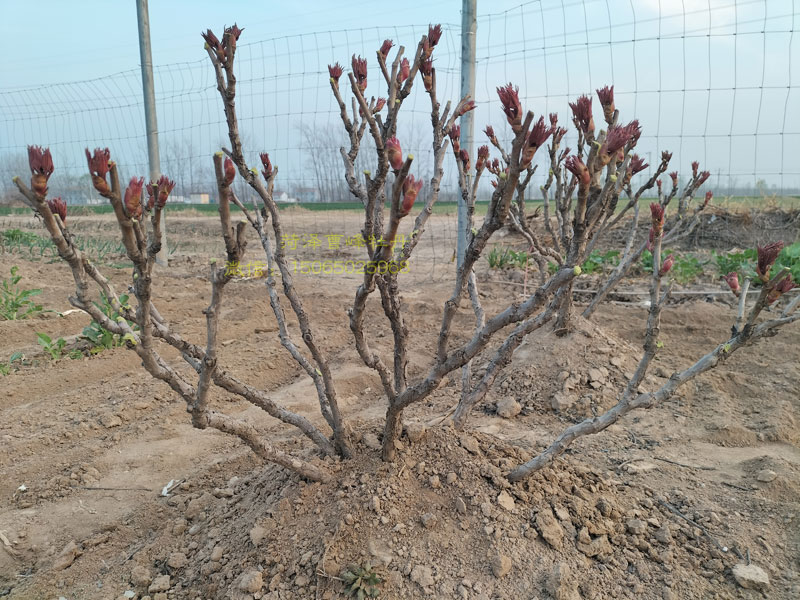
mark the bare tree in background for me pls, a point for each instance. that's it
(322, 162)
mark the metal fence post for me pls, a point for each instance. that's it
(468, 30)
(151, 122)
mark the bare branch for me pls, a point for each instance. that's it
(647, 400)
(250, 436)
(226, 84)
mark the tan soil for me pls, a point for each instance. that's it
(442, 522)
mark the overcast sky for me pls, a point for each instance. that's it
(701, 75)
(69, 40)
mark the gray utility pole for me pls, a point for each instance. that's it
(468, 28)
(151, 124)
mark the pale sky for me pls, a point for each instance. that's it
(701, 75)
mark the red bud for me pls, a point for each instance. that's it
(267, 172)
(455, 138)
(732, 279)
(411, 188)
(657, 216)
(163, 188)
(426, 68)
(394, 153)
(40, 162)
(58, 207)
(229, 171)
(666, 265)
(582, 114)
(133, 198)
(335, 72)
(483, 156)
(767, 255)
(360, 72)
(405, 70)
(606, 96)
(509, 98)
(465, 107)
(463, 156)
(385, 47)
(99, 168)
(575, 166)
(784, 285)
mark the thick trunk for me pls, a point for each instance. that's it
(391, 432)
(563, 322)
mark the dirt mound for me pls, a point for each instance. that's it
(723, 229)
(443, 522)
(578, 375)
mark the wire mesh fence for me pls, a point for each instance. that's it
(710, 80)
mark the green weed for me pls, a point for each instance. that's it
(55, 348)
(100, 337)
(597, 260)
(503, 258)
(15, 302)
(360, 582)
(744, 263)
(685, 269)
(5, 368)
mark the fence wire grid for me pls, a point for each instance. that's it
(710, 80)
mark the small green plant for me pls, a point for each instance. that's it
(522, 259)
(54, 348)
(498, 258)
(360, 582)
(790, 258)
(597, 260)
(16, 240)
(100, 337)
(686, 269)
(100, 249)
(17, 237)
(15, 302)
(37, 247)
(740, 262)
(503, 258)
(744, 263)
(5, 368)
(646, 261)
